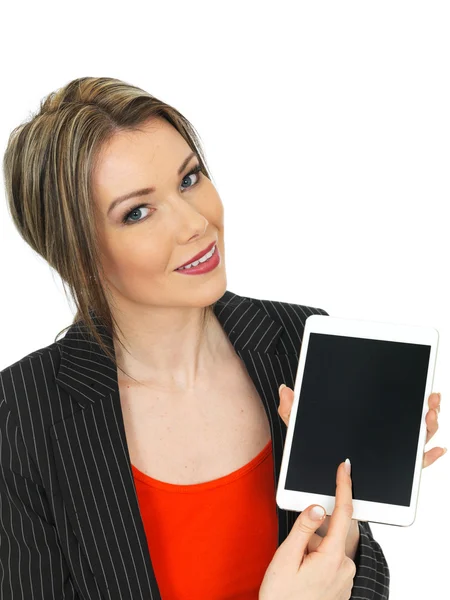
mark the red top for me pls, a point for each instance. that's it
(212, 540)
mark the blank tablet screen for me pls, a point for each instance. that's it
(362, 399)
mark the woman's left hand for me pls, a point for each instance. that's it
(431, 420)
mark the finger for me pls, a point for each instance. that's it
(432, 455)
(434, 400)
(286, 401)
(314, 543)
(431, 420)
(292, 550)
(341, 519)
(323, 529)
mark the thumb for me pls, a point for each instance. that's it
(295, 545)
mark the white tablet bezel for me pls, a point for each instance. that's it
(362, 510)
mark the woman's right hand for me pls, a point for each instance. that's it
(325, 573)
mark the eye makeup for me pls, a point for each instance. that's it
(195, 171)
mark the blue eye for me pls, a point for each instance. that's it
(195, 171)
(127, 215)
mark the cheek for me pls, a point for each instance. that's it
(134, 258)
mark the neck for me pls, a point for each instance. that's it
(175, 359)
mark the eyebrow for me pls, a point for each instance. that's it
(148, 190)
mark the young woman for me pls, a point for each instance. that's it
(139, 453)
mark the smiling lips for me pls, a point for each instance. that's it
(203, 267)
(199, 255)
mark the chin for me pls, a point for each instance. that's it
(210, 292)
(214, 292)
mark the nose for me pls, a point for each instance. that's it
(192, 222)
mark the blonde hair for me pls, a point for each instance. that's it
(48, 167)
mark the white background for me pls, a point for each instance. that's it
(326, 127)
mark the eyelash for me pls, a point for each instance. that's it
(195, 171)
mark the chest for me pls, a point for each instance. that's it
(192, 438)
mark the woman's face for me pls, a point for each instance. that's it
(172, 224)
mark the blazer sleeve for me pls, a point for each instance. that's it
(31, 558)
(371, 581)
(372, 577)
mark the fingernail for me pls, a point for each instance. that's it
(348, 466)
(317, 513)
(445, 450)
(283, 385)
(437, 413)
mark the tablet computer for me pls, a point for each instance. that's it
(361, 391)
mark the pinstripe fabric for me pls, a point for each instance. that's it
(70, 525)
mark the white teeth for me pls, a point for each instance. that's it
(200, 260)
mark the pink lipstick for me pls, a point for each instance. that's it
(203, 267)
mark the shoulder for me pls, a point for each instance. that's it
(21, 382)
(274, 308)
(286, 311)
(290, 315)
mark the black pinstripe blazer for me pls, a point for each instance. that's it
(70, 525)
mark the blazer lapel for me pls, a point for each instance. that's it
(91, 453)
